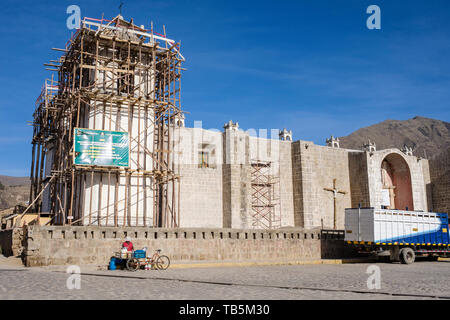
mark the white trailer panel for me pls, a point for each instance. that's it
(392, 226)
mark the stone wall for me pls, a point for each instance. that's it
(51, 245)
(236, 178)
(220, 195)
(427, 182)
(440, 182)
(297, 184)
(359, 184)
(286, 184)
(314, 168)
(201, 187)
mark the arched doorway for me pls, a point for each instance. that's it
(396, 183)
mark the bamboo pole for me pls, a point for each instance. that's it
(153, 84)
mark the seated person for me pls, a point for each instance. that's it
(128, 244)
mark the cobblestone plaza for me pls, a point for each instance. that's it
(305, 282)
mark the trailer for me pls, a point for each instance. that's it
(397, 235)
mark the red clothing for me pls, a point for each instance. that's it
(128, 245)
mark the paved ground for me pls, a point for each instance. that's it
(421, 280)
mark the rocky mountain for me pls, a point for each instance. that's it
(13, 191)
(428, 137)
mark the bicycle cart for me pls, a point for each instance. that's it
(135, 260)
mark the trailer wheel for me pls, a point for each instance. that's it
(407, 255)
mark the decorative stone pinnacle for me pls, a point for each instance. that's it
(230, 125)
(407, 150)
(370, 146)
(333, 142)
(178, 119)
(285, 135)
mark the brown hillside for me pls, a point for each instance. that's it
(13, 191)
(14, 181)
(425, 135)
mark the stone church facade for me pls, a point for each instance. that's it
(180, 177)
(233, 179)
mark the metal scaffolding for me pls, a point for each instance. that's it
(265, 185)
(113, 75)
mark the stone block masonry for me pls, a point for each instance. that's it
(440, 182)
(56, 245)
(314, 169)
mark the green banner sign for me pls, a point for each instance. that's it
(101, 148)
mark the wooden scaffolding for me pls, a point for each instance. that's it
(112, 75)
(265, 186)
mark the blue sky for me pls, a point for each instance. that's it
(309, 66)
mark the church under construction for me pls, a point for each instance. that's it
(110, 148)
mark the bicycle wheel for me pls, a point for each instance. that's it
(132, 264)
(163, 262)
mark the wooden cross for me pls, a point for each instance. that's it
(335, 193)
